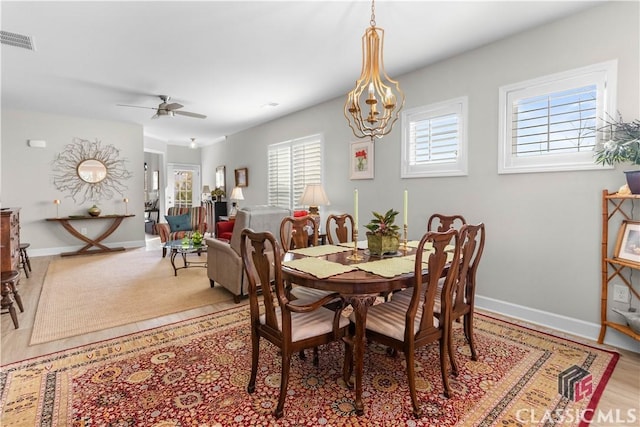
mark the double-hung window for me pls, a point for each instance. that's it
(551, 123)
(434, 140)
(292, 165)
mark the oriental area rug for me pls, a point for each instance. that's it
(90, 293)
(195, 373)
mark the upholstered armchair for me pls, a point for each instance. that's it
(224, 260)
(198, 222)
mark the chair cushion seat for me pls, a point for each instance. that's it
(308, 325)
(389, 318)
(306, 295)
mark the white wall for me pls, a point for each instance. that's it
(542, 259)
(28, 179)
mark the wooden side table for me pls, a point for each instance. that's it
(86, 249)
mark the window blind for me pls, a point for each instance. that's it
(433, 140)
(293, 165)
(555, 123)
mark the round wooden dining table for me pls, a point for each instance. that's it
(360, 289)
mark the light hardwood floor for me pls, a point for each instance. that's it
(621, 396)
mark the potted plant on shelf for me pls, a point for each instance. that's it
(383, 236)
(218, 194)
(622, 146)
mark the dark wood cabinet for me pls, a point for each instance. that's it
(10, 239)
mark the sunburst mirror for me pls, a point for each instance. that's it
(91, 171)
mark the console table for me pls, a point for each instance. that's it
(85, 250)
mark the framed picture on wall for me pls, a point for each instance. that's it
(362, 161)
(242, 177)
(628, 243)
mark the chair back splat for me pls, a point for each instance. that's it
(298, 232)
(440, 222)
(339, 229)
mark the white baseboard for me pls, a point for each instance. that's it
(566, 324)
(59, 250)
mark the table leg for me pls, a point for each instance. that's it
(360, 304)
(174, 253)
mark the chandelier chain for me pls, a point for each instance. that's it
(373, 14)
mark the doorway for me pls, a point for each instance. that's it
(183, 185)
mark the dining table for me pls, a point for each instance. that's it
(360, 282)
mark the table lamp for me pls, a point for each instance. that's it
(236, 194)
(314, 196)
(206, 192)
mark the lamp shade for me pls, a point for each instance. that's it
(314, 195)
(236, 194)
(206, 189)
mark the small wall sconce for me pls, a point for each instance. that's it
(126, 206)
(57, 203)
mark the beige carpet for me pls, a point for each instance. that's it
(90, 293)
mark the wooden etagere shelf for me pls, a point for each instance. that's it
(619, 206)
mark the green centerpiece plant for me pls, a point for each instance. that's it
(383, 235)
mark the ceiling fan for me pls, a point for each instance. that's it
(168, 110)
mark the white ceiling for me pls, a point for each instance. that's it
(228, 59)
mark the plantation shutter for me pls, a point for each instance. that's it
(279, 175)
(434, 140)
(555, 123)
(293, 165)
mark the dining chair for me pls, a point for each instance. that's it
(288, 326)
(441, 222)
(406, 325)
(298, 232)
(472, 238)
(340, 226)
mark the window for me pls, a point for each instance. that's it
(434, 140)
(550, 123)
(293, 165)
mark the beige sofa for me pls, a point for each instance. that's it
(224, 262)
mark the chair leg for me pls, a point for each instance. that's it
(17, 296)
(255, 352)
(23, 262)
(164, 252)
(452, 358)
(443, 366)
(316, 357)
(468, 332)
(411, 376)
(284, 382)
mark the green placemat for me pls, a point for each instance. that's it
(320, 268)
(389, 267)
(322, 250)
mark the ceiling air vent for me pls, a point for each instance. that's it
(17, 40)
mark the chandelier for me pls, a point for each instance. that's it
(374, 105)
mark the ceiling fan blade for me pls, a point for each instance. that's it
(136, 106)
(190, 114)
(155, 116)
(173, 106)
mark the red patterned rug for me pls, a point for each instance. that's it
(195, 373)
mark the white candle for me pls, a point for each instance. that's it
(355, 208)
(406, 206)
